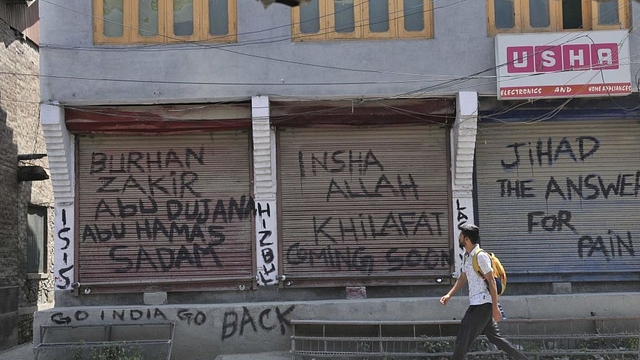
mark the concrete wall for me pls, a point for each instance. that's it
(273, 68)
(20, 133)
(204, 331)
(459, 48)
(225, 322)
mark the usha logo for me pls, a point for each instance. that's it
(546, 58)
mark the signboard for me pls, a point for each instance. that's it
(563, 65)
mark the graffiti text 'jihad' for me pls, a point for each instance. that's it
(543, 152)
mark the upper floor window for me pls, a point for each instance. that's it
(164, 21)
(362, 19)
(519, 16)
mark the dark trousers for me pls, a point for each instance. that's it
(479, 320)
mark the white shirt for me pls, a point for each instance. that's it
(478, 290)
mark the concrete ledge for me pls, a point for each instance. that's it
(561, 288)
(278, 355)
(204, 331)
(155, 298)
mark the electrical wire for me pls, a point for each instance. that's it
(261, 41)
(199, 45)
(454, 82)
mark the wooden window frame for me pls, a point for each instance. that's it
(165, 24)
(589, 17)
(232, 22)
(98, 24)
(624, 11)
(198, 23)
(555, 17)
(427, 32)
(161, 37)
(396, 23)
(393, 20)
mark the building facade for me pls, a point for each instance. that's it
(229, 167)
(26, 220)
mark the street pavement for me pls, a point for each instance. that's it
(20, 352)
(25, 352)
(281, 355)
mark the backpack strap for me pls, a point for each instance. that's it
(474, 262)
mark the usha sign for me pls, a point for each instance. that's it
(576, 64)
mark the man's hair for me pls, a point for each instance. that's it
(470, 231)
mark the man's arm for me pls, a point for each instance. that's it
(493, 290)
(458, 284)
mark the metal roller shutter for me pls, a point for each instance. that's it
(566, 207)
(164, 209)
(365, 205)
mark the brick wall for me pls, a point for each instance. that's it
(21, 133)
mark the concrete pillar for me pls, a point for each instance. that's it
(264, 190)
(61, 153)
(463, 143)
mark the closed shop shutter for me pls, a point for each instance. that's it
(364, 206)
(559, 200)
(165, 210)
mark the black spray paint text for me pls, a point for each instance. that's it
(584, 187)
(608, 245)
(129, 315)
(365, 226)
(136, 161)
(175, 184)
(550, 222)
(163, 258)
(151, 230)
(359, 259)
(383, 186)
(340, 161)
(187, 219)
(333, 257)
(625, 185)
(200, 210)
(576, 187)
(543, 152)
(235, 324)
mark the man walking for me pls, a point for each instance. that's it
(483, 313)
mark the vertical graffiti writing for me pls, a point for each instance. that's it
(464, 214)
(64, 273)
(266, 242)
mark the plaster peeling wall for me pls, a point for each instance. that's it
(265, 193)
(463, 140)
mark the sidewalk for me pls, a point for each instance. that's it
(279, 355)
(20, 352)
(25, 352)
